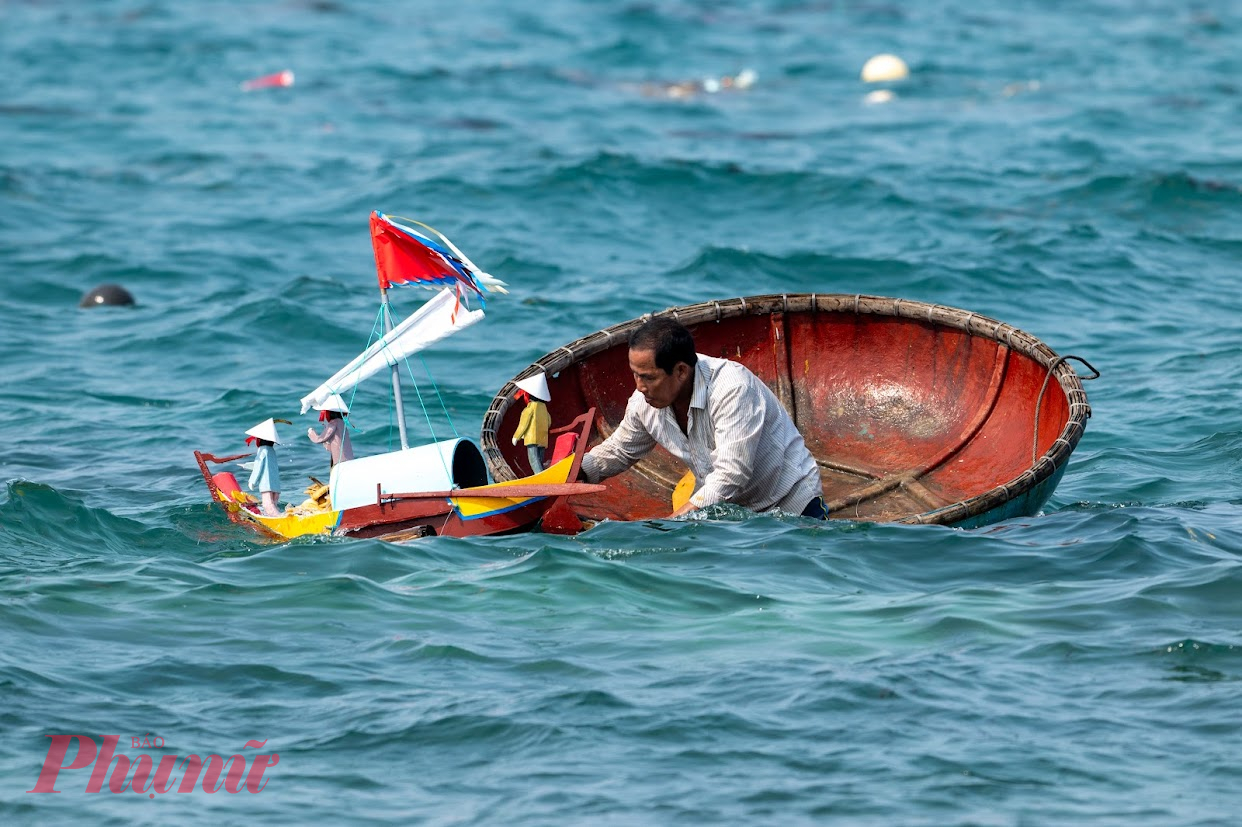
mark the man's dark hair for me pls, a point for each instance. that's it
(669, 340)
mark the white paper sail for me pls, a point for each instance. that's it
(440, 317)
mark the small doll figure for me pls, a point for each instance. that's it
(335, 435)
(532, 428)
(266, 474)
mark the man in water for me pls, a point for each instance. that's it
(718, 418)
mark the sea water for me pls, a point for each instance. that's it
(1072, 169)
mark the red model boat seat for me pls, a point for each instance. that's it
(227, 485)
(563, 447)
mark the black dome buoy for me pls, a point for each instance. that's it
(106, 294)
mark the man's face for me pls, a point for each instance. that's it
(660, 389)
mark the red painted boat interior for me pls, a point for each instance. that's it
(902, 415)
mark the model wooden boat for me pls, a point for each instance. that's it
(473, 507)
(440, 488)
(916, 413)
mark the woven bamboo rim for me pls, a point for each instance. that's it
(973, 324)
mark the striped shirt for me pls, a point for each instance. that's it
(741, 444)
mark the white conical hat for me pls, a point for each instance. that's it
(265, 430)
(333, 403)
(536, 386)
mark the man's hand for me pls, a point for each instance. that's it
(688, 508)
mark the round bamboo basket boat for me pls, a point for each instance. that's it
(915, 413)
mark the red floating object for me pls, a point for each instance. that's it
(284, 78)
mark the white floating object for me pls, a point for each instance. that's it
(878, 96)
(745, 79)
(884, 68)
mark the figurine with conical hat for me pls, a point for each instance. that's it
(532, 429)
(335, 435)
(265, 477)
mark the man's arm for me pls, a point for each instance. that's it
(624, 447)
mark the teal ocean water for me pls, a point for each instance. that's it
(1072, 169)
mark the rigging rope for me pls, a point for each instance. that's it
(392, 407)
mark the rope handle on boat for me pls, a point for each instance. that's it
(1095, 374)
(1039, 400)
